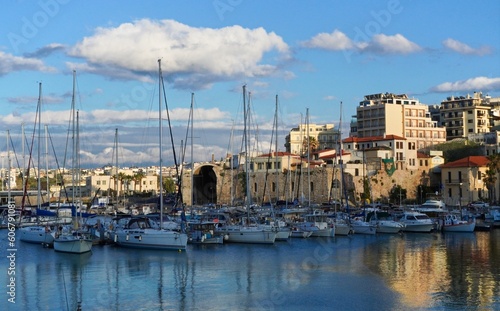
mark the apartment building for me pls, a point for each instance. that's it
(326, 136)
(392, 114)
(464, 115)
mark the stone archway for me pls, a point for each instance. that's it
(205, 186)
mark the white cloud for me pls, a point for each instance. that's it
(472, 84)
(190, 55)
(463, 48)
(335, 41)
(379, 44)
(10, 63)
(396, 44)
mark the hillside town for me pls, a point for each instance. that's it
(391, 156)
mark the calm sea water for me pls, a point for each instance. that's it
(458, 271)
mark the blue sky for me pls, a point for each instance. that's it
(312, 54)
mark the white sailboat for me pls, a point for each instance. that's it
(139, 232)
(37, 234)
(73, 239)
(246, 232)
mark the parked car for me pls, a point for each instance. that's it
(479, 204)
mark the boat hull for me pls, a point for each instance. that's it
(74, 245)
(426, 228)
(151, 239)
(390, 227)
(248, 235)
(37, 235)
(301, 234)
(465, 227)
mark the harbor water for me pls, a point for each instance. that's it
(452, 271)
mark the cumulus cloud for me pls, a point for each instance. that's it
(10, 63)
(190, 55)
(396, 44)
(472, 84)
(335, 41)
(379, 44)
(463, 48)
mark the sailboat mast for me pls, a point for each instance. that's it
(47, 160)
(192, 153)
(308, 160)
(245, 139)
(8, 168)
(276, 151)
(39, 185)
(160, 141)
(116, 164)
(73, 131)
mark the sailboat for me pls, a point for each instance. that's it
(72, 239)
(247, 231)
(38, 234)
(142, 232)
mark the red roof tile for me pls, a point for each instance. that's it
(479, 161)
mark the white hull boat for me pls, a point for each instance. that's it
(300, 234)
(75, 244)
(138, 233)
(247, 234)
(37, 234)
(362, 227)
(416, 222)
(389, 226)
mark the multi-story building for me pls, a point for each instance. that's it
(401, 154)
(326, 136)
(464, 180)
(464, 115)
(391, 114)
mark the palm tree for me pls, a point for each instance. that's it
(313, 144)
(493, 171)
(137, 178)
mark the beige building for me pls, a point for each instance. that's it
(465, 115)
(401, 153)
(463, 180)
(326, 136)
(391, 114)
(105, 183)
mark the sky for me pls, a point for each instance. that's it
(301, 61)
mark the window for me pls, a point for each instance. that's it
(479, 175)
(312, 186)
(356, 172)
(98, 182)
(104, 183)
(449, 176)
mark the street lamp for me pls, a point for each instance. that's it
(460, 196)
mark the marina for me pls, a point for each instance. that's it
(410, 271)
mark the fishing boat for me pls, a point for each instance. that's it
(452, 223)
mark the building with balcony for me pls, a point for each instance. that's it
(392, 114)
(465, 115)
(463, 181)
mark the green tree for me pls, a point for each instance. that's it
(397, 194)
(313, 145)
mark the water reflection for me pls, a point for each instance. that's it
(390, 272)
(454, 270)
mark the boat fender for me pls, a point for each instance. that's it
(126, 238)
(140, 238)
(116, 238)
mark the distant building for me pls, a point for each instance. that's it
(391, 114)
(465, 115)
(326, 136)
